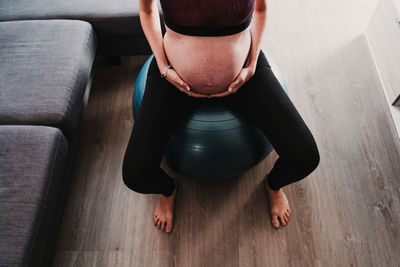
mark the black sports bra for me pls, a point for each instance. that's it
(207, 17)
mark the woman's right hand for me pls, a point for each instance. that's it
(176, 80)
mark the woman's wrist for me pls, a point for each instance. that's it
(162, 67)
(252, 57)
(165, 71)
(161, 60)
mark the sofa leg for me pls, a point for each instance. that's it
(114, 60)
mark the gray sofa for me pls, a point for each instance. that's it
(47, 52)
(116, 22)
(45, 77)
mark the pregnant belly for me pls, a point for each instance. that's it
(208, 64)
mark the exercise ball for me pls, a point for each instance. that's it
(214, 142)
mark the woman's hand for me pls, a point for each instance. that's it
(244, 75)
(177, 81)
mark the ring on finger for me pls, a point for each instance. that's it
(237, 82)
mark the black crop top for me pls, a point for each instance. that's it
(207, 17)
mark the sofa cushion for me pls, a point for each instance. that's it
(117, 17)
(116, 22)
(31, 168)
(44, 70)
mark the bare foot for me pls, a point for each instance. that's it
(279, 205)
(164, 213)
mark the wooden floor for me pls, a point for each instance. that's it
(346, 213)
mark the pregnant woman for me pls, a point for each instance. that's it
(211, 49)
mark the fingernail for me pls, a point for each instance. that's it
(188, 88)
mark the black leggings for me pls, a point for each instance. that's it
(260, 100)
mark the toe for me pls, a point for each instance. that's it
(168, 229)
(156, 221)
(282, 220)
(275, 221)
(163, 226)
(285, 217)
(159, 224)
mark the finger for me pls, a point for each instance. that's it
(197, 95)
(241, 78)
(234, 87)
(190, 93)
(200, 95)
(175, 80)
(182, 84)
(194, 94)
(224, 93)
(238, 81)
(185, 88)
(243, 74)
(180, 88)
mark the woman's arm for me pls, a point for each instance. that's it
(257, 29)
(150, 21)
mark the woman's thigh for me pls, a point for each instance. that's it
(162, 109)
(263, 101)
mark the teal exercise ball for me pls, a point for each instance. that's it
(214, 142)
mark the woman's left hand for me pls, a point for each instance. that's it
(245, 74)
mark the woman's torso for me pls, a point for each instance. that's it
(207, 64)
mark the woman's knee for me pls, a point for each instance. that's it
(306, 159)
(134, 177)
(313, 159)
